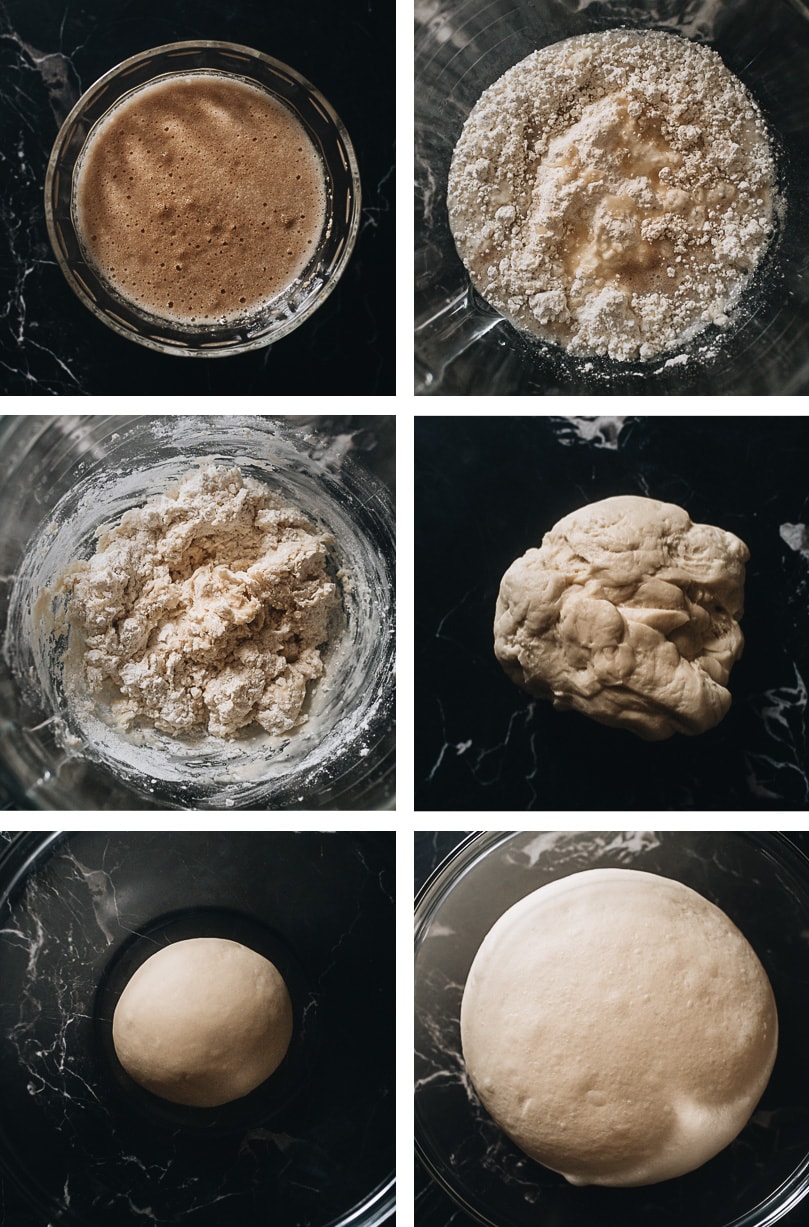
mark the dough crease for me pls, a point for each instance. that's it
(628, 613)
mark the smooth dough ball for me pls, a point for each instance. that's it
(627, 613)
(618, 1027)
(203, 1022)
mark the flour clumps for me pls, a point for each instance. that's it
(628, 612)
(618, 1027)
(614, 193)
(206, 610)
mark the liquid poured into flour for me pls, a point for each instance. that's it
(614, 193)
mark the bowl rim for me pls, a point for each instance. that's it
(287, 454)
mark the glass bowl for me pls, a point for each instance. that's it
(85, 1146)
(760, 881)
(463, 346)
(66, 477)
(269, 321)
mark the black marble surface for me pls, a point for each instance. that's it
(76, 912)
(53, 50)
(487, 489)
(433, 1206)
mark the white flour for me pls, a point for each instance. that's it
(613, 193)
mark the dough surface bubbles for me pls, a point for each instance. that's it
(618, 1027)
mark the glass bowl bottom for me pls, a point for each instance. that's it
(88, 1152)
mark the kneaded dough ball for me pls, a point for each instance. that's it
(203, 1022)
(627, 613)
(618, 1027)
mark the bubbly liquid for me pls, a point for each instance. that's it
(200, 197)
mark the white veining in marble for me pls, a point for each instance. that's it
(796, 537)
(782, 712)
(598, 431)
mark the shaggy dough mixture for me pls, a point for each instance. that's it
(618, 1027)
(206, 609)
(627, 613)
(203, 1022)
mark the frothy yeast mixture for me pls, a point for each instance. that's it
(199, 197)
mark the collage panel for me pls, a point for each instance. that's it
(610, 198)
(609, 1028)
(611, 613)
(197, 1026)
(198, 612)
(198, 182)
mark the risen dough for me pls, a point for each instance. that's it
(618, 1027)
(203, 1022)
(627, 613)
(205, 610)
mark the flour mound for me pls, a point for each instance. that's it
(618, 1027)
(206, 609)
(614, 193)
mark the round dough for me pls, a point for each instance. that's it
(203, 1022)
(628, 613)
(618, 1027)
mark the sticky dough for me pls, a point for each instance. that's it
(206, 609)
(628, 613)
(618, 1027)
(203, 1022)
